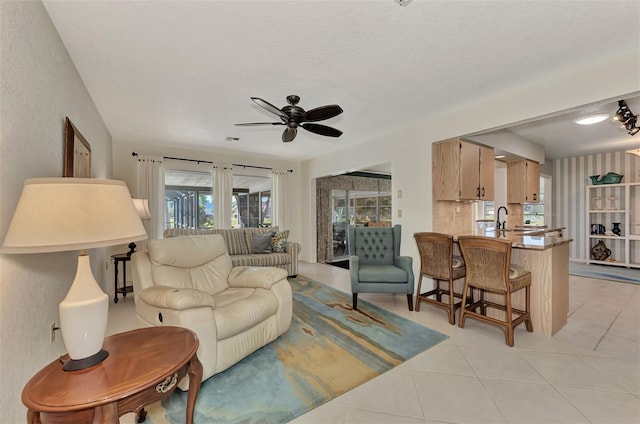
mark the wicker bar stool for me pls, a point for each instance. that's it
(489, 269)
(437, 262)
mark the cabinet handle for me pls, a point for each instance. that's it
(482, 191)
(478, 191)
(535, 197)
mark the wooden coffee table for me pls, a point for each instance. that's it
(143, 366)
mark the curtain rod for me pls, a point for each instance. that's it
(208, 161)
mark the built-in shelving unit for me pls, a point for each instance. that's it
(614, 203)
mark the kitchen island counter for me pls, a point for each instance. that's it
(522, 239)
(547, 258)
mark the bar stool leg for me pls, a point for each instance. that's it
(528, 324)
(452, 304)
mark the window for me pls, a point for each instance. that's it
(253, 209)
(188, 200)
(533, 212)
(251, 203)
(489, 210)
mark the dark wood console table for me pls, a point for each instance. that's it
(143, 366)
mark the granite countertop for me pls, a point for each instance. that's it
(522, 240)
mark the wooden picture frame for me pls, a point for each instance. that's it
(77, 152)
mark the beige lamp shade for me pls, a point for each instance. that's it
(59, 214)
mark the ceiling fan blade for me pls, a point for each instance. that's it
(258, 123)
(323, 112)
(268, 106)
(289, 134)
(322, 130)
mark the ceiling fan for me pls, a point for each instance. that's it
(293, 116)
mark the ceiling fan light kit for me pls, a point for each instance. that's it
(627, 119)
(293, 116)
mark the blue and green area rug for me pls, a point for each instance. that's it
(328, 350)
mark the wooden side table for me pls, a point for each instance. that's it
(124, 258)
(143, 366)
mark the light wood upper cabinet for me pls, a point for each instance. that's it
(462, 171)
(523, 182)
(487, 172)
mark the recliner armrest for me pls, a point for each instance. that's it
(178, 299)
(255, 277)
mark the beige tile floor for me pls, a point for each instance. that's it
(589, 372)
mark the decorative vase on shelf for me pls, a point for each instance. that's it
(600, 252)
(609, 178)
(616, 228)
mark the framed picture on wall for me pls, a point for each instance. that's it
(77, 152)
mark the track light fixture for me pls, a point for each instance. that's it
(628, 120)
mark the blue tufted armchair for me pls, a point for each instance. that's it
(375, 263)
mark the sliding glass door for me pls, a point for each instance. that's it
(356, 208)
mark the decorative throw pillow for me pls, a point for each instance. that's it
(279, 241)
(261, 243)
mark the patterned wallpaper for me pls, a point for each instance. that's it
(570, 179)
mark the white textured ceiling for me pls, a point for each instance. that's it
(181, 73)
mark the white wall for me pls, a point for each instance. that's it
(410, 150)
(38, 88)
(124, 168)
(512, 143)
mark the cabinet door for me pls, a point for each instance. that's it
(533, 182)
(445, 170)
(487, 172)
(469, 171)
(516, 181)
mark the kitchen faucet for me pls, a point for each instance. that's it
(504, 223)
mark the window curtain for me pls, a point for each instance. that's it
(222, 194)
(278, 199)
(150, 172)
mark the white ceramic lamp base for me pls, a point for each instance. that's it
(83, 319)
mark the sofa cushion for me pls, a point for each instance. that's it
(194, 262)
(239, 309)
(238, 240)
(274, 259)
(249, 232)
(173, 252)
(382, 274)
(261, 243)
(178, 299)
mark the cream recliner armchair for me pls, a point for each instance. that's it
(189, 282)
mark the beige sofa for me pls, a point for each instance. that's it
(238, 241)
(190, 282)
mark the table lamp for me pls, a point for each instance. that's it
(142, 206)
(61, 214)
